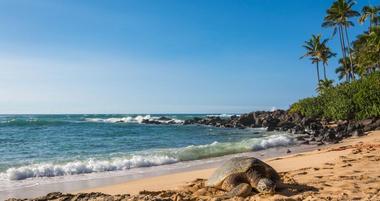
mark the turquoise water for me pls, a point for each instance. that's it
(57, 145)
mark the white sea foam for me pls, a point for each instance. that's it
(135, 119)
(81, 167)
(146, 159)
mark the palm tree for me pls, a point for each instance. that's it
(323, 85)
(338, 17)
(367, 51)
(371, 12)
(343, 70)
(313, 50)
(325, 56)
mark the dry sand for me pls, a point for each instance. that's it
(346, 171)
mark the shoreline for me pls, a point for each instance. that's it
(80, 183)
(294, 164)
(290, 164)
(175, 180)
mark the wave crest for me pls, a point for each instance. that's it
(137, 119)
(82, 167)
(147, 159)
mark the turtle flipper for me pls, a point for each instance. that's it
(241, 190)
(281, 186)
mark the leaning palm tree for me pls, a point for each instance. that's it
(326, 54)
(343, 70)
(338, 18)
(313, 51)
(371, 12)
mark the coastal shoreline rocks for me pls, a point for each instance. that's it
(308, 130)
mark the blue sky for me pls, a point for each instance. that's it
(158, 56)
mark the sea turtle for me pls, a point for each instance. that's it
(239, 175)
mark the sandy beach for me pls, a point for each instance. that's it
(345, 171)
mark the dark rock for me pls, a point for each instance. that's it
(247, 119)
(357, 133)
(270, 123)
(164, 119)
(320, 143)
(285, 125)
(298, 130)
(315, 126)
(307, 121)
(194, 120)
(148, 121)
(234, 117)
(329, 135)
(320, 130)
(365, 122)
(300, 138)
(374, 125)
(295, 117)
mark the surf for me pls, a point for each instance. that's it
(146, 158)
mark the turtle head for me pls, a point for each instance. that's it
(266, 186)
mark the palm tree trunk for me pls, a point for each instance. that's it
(324, 71)
(318, 72)
(342, 45)
(349, 53)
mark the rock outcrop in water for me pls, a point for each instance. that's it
(315, 130)
(161, 120)
(312, 130)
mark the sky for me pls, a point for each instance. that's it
(158, 56)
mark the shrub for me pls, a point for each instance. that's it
(309, 107)
(367, 97)
(337, 103)
(359, 99)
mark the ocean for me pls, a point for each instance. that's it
(35, 147)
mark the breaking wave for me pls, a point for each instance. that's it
(136, 119)
(147, 158)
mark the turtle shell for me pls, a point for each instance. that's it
(240, 165)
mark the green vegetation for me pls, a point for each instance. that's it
(359, 99)
(353, 98)
(367, 52)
